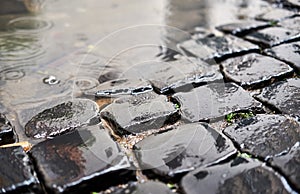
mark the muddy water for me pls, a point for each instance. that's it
(51, 51)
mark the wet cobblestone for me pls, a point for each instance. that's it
(216, 111)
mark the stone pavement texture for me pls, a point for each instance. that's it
(222, 117)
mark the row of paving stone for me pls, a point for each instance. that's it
(82, 156)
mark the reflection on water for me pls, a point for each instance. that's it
(92, 41)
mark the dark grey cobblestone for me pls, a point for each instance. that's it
(287, 52)
(17, 175)
(7, 132)
(214, 101)
(254, 70)
(289, 165)
(138, 113)
(182, 149)
(265, 136)
(238, 176)
(284, 96)
(217, 47)
(273, 36)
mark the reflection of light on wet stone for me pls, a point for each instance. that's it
(182, 149)
(237, 176)
(51, 80)
(71, 163)
(262, 135)
(7, 134)
(17, 173)
(62, 118)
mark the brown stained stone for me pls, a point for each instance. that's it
(78, 161)
(254, 70)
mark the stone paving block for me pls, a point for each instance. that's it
(16, 172)
(178, 75)
(276, 14)
(138, 113)
(294, 3)
(273, 36)
(217, 47)
(121, 86)
(289, 165)
(242, 27)
(283, 95)
(7, 133)
(265, 136)
(182, 75)
(61, 118)
(147, 187)
(80, 161)
(214, 101)
(182, 149)
(291, 23)
(254, 70)
(287, 52)
(238, 176)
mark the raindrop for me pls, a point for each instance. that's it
(14, 74)
(86, 84)
(29, 25)
(51, 80)
(19, 47)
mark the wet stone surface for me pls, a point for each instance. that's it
(79, 161)
(214, 101)
(265, 136)
(276, 15)
(143, 188)
(61, 118)
(291, 23)
(284, 96)
(238, 176)
(17, 174)
(7, 133)
(182, 149)
(289, 165)
(287, 52)
(242, 28)
(138, 113)
(121, 87)
(273, 36)
(254, 70)
(182, 74)
(217, 47)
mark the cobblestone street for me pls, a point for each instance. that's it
(219, 114)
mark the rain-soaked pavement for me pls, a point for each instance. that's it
(161, 96)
